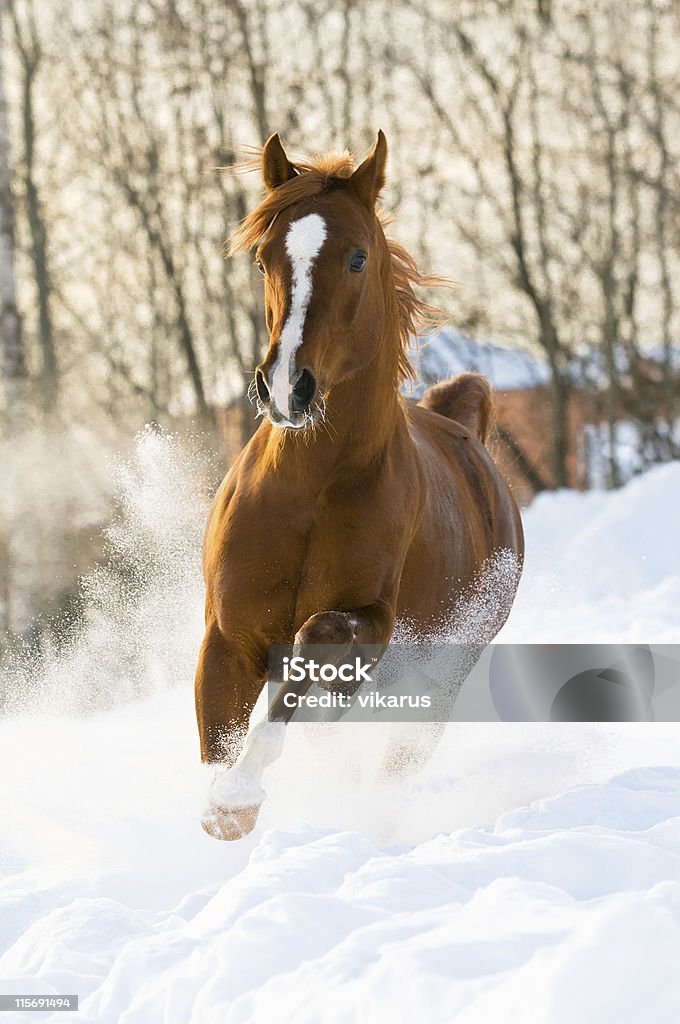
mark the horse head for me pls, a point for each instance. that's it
(323, 257)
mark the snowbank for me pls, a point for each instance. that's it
(602, 567)
(531, 871)
(533, 916)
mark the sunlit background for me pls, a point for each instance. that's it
(533, 159)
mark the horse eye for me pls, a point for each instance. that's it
(358, 262)
(260, 266)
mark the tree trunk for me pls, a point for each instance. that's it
(13, 355)
(29, 51)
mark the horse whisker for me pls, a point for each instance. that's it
(251, 393)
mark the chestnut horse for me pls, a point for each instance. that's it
(350, 508)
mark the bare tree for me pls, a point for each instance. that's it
(13, 355)
(29, 50)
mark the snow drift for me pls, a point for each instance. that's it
(513, 877)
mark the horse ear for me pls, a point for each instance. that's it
(369, 177)
(276, 167)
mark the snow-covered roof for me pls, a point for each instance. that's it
(449, 352)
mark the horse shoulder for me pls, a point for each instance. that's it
(232, 512)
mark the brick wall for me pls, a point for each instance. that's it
(527, 416)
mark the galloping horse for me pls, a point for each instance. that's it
(350, 508)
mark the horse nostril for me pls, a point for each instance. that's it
(303, 391)
(262, 389)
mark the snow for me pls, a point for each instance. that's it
(530, 872)
(602, 567)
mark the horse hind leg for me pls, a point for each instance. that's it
(443, 671)
(468, 399)
(410, 747)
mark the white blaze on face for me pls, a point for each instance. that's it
(303, 242)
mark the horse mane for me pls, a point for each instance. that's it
(416, 317)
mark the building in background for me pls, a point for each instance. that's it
(523, 409)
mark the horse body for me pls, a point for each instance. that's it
(454, 542)
(350, 508)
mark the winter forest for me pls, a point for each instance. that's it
(533, 160)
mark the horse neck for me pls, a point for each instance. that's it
(362, 412)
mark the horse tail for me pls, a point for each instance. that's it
(468, 399)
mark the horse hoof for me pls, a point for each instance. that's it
(230, 823)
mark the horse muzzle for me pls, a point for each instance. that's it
(301, 407)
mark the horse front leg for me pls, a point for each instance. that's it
(228, 682)
(345, 631)
(372, 624)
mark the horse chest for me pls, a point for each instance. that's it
(261, 552)
(277, 565)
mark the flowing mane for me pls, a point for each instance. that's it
(416, 317)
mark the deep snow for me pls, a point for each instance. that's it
(531, 872)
